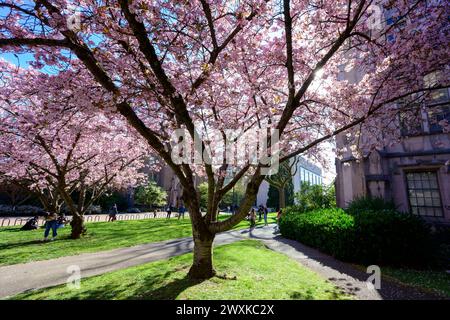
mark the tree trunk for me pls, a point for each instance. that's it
(281, 197)
(78, 226)
(202, 266)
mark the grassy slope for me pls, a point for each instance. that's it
(259, 274)
(24, 246)
(437, 281)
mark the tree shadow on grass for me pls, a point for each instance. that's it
(33, 242)
(154, 287)
(308, 295)
(20, 244)
(173, 289)
(334, 294)
(11, 229)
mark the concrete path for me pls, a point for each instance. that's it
(40, 274)
(22, 277)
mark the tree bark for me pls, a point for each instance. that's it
(281, 197)
(78, 226)
(202, 266)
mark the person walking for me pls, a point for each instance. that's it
(260, 211)
(252, 218)
(279, 215)
(155, 213)
(265, 211)
(50, 223)
(181, 212)
(169, 211)
(113, 213)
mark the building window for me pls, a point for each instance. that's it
(438, 95)
(423, 194)
(437, 114)
(411, 122)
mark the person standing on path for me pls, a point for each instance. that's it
(50, 223)
(266, 211)
(260, 211)
(169, 211)
(181, 212)
(279, 215)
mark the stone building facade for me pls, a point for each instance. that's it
(413, 173)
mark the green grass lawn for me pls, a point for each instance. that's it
(437, 281)
(246, 270)
(24, 246)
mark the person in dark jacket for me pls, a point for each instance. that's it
(265, 213)
(181, 212)
(31, 224)
(260, 212)
(113, 213)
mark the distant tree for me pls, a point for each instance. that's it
(151, 195)
(107, 200)
(273, 200)
(17, 193)
(203, 191)
(234, 196)
(283, 179)
(311, 197)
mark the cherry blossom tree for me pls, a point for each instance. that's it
(52, 148)
(218, 66)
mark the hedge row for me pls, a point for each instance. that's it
(366, 237)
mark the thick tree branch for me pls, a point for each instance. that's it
(64, 43)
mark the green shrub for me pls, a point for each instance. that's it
(313, 197)
(367, 237)
(374, 204)
(441, 240)
(151, 195)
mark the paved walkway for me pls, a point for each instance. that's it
(22, 277)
